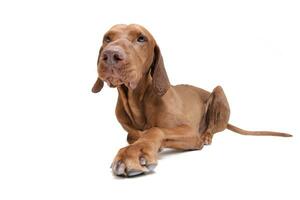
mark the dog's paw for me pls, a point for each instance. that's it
(135, 159)
(207, 138)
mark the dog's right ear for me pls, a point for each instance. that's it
(98, 85)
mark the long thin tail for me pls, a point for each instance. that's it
(256, 133)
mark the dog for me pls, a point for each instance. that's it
(154, 113)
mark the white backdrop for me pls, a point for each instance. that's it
(57, 139)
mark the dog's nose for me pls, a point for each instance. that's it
(112, 57)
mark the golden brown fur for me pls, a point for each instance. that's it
(154, 113)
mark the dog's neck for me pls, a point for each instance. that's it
(132, 101)
(139, 91)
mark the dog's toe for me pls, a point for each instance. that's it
(119, 168)
(151, 167)
(143, 161)
(134, 173)
(135, 159)
(207, 142)
(207, 138)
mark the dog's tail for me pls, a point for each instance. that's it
(256, 133)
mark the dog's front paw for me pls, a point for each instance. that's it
(135, 159)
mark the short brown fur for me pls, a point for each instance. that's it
(156, 114)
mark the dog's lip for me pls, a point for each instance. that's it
(113, 82)
(113, 78)
(132, 85)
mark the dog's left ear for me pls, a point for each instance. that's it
(98, 85)
(160, 80)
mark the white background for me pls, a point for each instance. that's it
(57, 139)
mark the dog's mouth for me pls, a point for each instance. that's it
(113, 82)
(115, 78)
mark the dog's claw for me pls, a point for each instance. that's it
(151, 167)
(119, 168)
(134, 172)
(207, 138)
(143, 161)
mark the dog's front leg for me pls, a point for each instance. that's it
(141, 156)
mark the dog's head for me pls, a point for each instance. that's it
(128, 53)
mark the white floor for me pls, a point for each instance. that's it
(68, 156)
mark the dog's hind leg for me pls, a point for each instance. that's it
(217, 114)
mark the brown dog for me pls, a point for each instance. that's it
(154, 113)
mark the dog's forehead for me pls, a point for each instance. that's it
(129, 30)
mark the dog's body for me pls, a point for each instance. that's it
(154, 113)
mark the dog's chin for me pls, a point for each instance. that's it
(113, 83)
(130, 80)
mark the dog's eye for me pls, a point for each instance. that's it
(141, 38)
(107, 39)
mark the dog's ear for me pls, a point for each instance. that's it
(160, 80)
(98, 85)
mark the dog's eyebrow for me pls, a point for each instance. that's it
(111, 33)
(136, 33)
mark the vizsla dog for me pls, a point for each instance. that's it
(156, 114)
